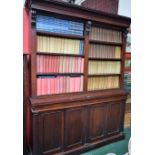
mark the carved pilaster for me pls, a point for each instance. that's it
(88, 27)
(33, 18)
(125, 33)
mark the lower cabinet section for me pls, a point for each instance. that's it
(74, 130)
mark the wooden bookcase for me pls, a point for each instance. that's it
(69, 121)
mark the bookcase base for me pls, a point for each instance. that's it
(76, 127)
(88, 147)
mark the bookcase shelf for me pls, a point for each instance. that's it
(105, 43)
(100, 75)
(103, 90)
(60, 74)
(67, 93)
(59, 54)
(53, 34)
(105, 59)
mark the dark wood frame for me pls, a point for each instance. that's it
(80, 106)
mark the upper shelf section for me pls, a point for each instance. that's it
(70, 10)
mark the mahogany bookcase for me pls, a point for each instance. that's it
(72, 123)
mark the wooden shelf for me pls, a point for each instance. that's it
(94, 75)
(99, 90)
(105, 43)
(106, 59)
(60, 74)
(59, 54)
(70, 36)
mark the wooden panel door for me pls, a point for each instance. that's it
(52, 132)
(114, 118)
(97, 122)
(74, 128)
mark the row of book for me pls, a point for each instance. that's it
(104, 51)
(59, 64)
(52, 24)
(98, 83)
(60, 84)
(59, 45)
(103, 34)
(104, 67)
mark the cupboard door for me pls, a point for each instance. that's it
(97, 121)
(74, 128)
(114, 118)
(52, 132)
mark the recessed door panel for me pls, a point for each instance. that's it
(74, 127)
(52, 132)
(97, 121)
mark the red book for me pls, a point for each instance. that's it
(56, 85)
(52, 62)
(55, 65)
(41, 65)
(81, 83)
(75, 65)
(82, 65)
(75, 84)
(64, 85)
(58, 64)
(52, 85)
(67, 84)
(72, 86)
(45, 64)
(38, 86)
(46, 86)
(43, 59)
(42, 86)
(37, 64)
(60, 84)
(48, 64)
